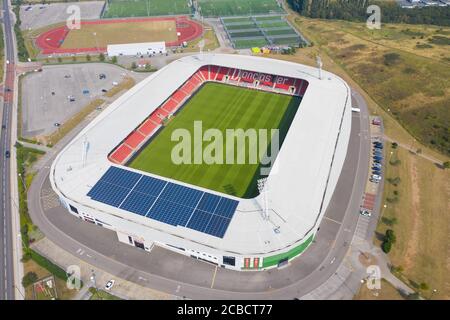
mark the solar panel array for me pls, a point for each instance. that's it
(164, 201)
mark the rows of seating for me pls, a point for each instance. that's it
(206, 73)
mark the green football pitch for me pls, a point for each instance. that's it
(221, 107)
(144, 8)
(218, 8)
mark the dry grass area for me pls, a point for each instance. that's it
(410, 88)
(117, 33)
(210, 39)
(126, 84)
(70, 124)
(63, 292)
(387, 292)
(423, 206)
(420, 203)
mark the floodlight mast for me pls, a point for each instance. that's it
(84, 151)
(319, 66)
(263, 190)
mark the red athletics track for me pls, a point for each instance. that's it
(50, 41)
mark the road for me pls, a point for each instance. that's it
(6, 241)
(165, 271)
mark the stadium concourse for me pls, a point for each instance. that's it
(241, 234)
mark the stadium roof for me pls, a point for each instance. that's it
(300, 185)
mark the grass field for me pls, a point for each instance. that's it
(117, 33)
(410, 84)
(222, 107)
(144, 8)
(218, 8)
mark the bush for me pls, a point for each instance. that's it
(394, 145)
(424, 286)
(133, 65)
(390, 236)
(446, 164)
(29, 279)
(48, 265)
(114, 59)
(386, 247)
(26, 257)
(92, 290)
(101, 57)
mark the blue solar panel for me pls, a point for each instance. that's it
(120, 177)
(102, 192)
(170, 212)
(164, 201)
(181, 194)
(137, 202)
(150, 186)
(226, 208)
(217, 226)
(209, 202)
(199, 220)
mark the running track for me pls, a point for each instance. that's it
(50, 41)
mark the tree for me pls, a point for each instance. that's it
(424, 286)
(29, 279)
(74, 58)
(101, 57)
(446, 164)
(390, 236)
(386, 247)
(394, 145)
(88, 57)
(114, 59)
(59, 59)
(133, 65)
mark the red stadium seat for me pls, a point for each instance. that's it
(179, 95)
(148, 127)
(204, 71)
(134, 139)
(222, 73)
(213, 70)
(170, 106)
(121, 154)
(154, 117)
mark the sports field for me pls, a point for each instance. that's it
(221, 107)
(217, 8)
(145, 8)
(100, 35)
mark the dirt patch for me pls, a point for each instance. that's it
(367, 259)
(411, 249)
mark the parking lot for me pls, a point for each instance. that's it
(46, 95)
(42, 15)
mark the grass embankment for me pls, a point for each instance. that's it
(2, 53)
(33, 261)
(412, 88)
(210, 41)
(233, 108)
(387, 292)
(417, 202)
(70, 124)
(422, 205)
(126, 84)
(102, 295)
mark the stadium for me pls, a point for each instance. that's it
(117, 172)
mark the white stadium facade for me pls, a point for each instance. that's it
(248, 234)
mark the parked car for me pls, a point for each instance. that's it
(57, 124)
(110, 284)
(377, 161)
(374, 181)
(7, 154)
(365, 212)
(376, 177)
(102, 76)
(104, 90)
(377, 158)
(377, 165)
